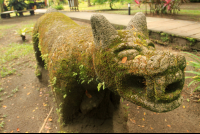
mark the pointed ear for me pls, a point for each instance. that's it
(103, 31)
(139, 22)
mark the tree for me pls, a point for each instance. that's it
(89, 4)
(1, 5)
(110, 2)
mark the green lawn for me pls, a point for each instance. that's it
(134, 8)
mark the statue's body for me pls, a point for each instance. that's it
(124, 62)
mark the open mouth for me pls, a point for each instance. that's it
(158, 92)
(135, 89)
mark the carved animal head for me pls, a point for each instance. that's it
(126, 60)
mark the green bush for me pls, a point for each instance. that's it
(196, 65)
(58, 7)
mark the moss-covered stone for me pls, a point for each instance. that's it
(80, 59)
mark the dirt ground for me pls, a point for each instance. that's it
(28, 108)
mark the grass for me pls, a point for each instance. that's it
(14, 51)
(84, 7)
(196, 65)
(2, 124)
(11, 52)
(4, 27)
(134, 8)
(7, 71)
(13, 92)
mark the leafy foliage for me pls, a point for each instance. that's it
(17, 4)
(162, 6)
(196, 64)
(58, 7)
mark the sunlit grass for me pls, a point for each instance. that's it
(84, 7)
(189, 12)
(14, 51)
(134, 8)
(11, 52)
(4, 27)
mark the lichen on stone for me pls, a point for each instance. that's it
(126, 61)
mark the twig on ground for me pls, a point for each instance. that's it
(45, 121)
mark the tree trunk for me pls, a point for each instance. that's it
(111, 5)
(1, 7)
(89, 4)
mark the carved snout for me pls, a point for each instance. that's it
(168, 82)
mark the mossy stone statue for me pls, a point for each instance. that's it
(90, 68)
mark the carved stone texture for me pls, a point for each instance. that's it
(139, 22)
(81, 60)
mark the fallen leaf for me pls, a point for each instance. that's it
(4, 106)
(183, 106)
(18, 130)
(8, 120)
(24, 87)
(87, 94)
(124, 60)
(143, 119)
(36, 108)
(138, 125)
(133, 121)
(28, 93)
(165, 120)
(44, 104)
(138, 107)
(144, 113)
(17, 116)
(151, 128)
(50, 119)
(169, 125)
(40, 95)
(187, 130)
(142, 126)
(33, 110)
(11, 131)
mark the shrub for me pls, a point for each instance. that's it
(196, 65)
(58, 7)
